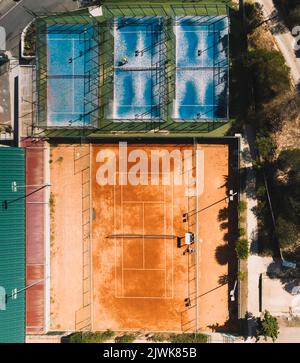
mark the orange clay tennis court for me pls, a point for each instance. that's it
(141, 277)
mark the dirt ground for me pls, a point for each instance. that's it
(140, 277)
(213, 263)
(66, 239)
(289, 136)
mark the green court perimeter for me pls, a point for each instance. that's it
(102, 125)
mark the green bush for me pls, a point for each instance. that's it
(157, 338)
(242, 219)
(266, 146)
(242, 232)
(242, 275)
(242, 207)
(269, 326)
(242, 248)
(126, 338)
(91, 337)
(188, 338)
(75, 338)
(30, 40)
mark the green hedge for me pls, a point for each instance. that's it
(242, 206)
(91, 337)
(126, 338)
(157, 338)
(242, 248)
(188, 338)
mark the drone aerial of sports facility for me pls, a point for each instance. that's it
(134, 225)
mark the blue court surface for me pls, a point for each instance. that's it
(135, 95)
(70, 73)
(201, 67)
(137, 61)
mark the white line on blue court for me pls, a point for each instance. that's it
(203, 105)
(198, 31)
(136, 106)
(64, 39)
(73, 83)
(137, 32)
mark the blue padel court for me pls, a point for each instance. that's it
(70, 75)
(138, 61)
(138, 68)
(201, 67)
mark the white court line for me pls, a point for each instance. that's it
(91, 235)
(63, 39)
(136, 32)
(172, 211)
(143, 269)
(122, 224)
(63, 113)
(73, 64)
(165, 244)
(114, 224)
(204, 105)
(137, 106)
(145, 202)
(197, 31)
(144, 297)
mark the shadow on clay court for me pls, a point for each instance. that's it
(225, 253)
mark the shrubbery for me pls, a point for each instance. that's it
(91, 337)
(287, 233)
(30, 40)
(242, 248)
(126, 338)
(188, 338)
(288, 216)
(242, 207)
(268, 326)
(157, 338)
(291, 10)
(269, 74)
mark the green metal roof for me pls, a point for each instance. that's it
(12, 244)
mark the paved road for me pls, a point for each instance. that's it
(285, 41)
(15, 16)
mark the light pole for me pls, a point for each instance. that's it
(14, 294)
(6, 203)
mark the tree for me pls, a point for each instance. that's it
(287, 232)
(242, 248)
(266, 146)
(254, 15)
(288, 163)
(289, 160)
(270, 75)
(269, 327)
